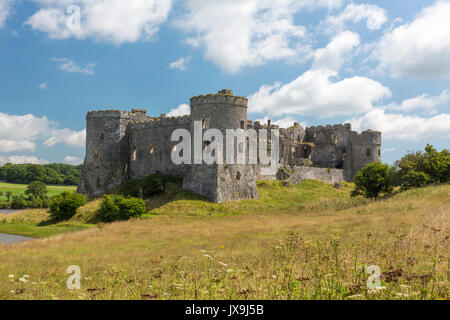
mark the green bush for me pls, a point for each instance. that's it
(373, 179)
(18, 202)
(116, 207)
(65, 205)
(147, 187)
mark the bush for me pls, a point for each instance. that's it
(147, 187)
(117, 207)
(65, 205)
(18, 202)
(373, 179)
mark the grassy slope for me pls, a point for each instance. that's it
(304, 242)
(18, 189)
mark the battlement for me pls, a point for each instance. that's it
(330, 127)
(135, 113)
(161, 121)
(224, 96)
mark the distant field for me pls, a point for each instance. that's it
(18, 189)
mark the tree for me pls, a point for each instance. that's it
(65, 205)
(1, 194)
(36, 189)
(373, 179)
(9, 194)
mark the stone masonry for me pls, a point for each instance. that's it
(122, 145)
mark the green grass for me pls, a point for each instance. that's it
(18, 189)
(301, 242)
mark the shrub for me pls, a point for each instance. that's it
(373, 179)
(65, 205)
(147, 187)
(18, 202)
(116, 207)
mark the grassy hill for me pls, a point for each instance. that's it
(310, 241)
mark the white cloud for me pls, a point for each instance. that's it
(235, 34)
(420, 48)
(387, 150)
(424, 102)
(73, 160)
(22, 160)
(375, 17)
(313, 93)
(68, 65)
(23, 132)
(333, 55)
(180, 64)
(182, 110)
(5, 10)
(68, 137)
(115, 21)
(16, 145)
(43, 86)
(404, 127)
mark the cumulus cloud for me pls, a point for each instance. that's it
(67, 137)
(180, 64)
(182, 110)
(424, 102)
(5, 10)
(404, 127)
(23, 132)
(73, 160)
(333, 55)
(68, 65)
(22, 160)
(315, 93)
(115, 21)
(43, 86)
(375, 17)
(420, 48)
(235, 34)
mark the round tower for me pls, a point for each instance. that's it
(220, 111)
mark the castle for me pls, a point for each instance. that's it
(122, 145)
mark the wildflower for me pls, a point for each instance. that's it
(12, 291)
(229, 270)
(23, 279)
(208, 256)
(380, 288)
(402, 294)
(11, 276)
(223, 264)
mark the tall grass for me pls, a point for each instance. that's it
(299, 248)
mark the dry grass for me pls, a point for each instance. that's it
(303, 250)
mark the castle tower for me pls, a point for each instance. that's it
(107, 150)
(366, 148)
(220, 182)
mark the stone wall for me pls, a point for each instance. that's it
(296, 175)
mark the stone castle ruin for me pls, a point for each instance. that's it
(123, 145)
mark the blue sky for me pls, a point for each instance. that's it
(380, 65)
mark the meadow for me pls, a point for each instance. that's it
(308, 241)
(18, 189)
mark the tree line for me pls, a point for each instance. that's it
(414, 170)
(56, 173)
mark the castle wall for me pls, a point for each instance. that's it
(151, 146)
(297, 175)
